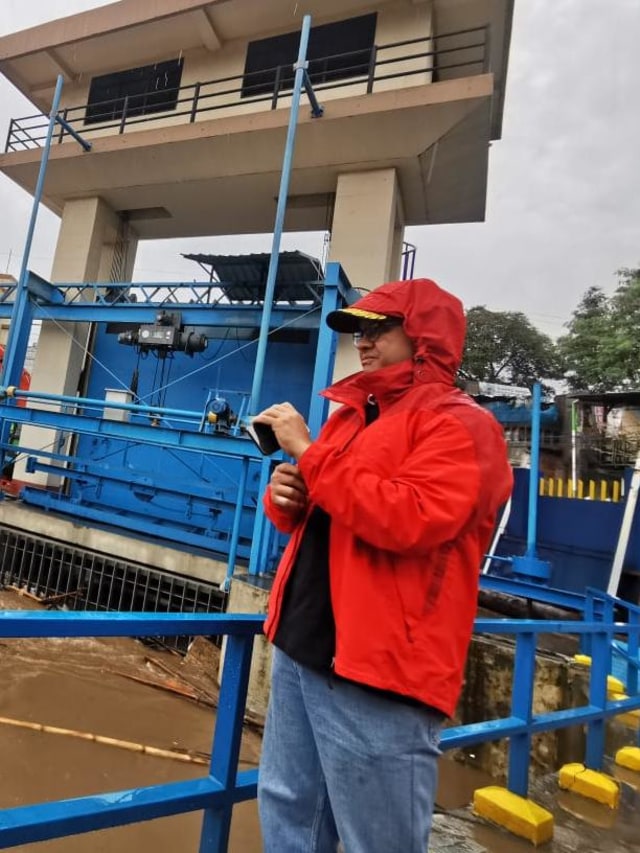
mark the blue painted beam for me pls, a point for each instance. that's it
(138, 523)
(41, 290)
(163, 436)
(80, 624)
(220, 316)
(27, 824)
(536, 592)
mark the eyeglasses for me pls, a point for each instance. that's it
(374, 329)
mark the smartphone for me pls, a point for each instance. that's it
(263, 437)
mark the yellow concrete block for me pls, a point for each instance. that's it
(629, 756)
(590, 783)
(614, 696)
(517, 814)
(585, 660)
(614, 685)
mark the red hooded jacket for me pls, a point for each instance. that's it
(413, 500)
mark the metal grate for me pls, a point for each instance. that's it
(86, 580)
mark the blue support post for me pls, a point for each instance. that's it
(237, 518)
(521, 708)
(300, 68)
(600, 665)
(529, 565)
(260, 527)
(73, 132)
(589, 616)
(532, 517)
(226, 744)
(325, 352)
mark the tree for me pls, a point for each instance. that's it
(503, 346)
(602, 347)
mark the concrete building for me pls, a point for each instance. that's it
(186, 104)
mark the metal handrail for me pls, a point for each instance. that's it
(217, 793)
(214, 794)
(369, 67)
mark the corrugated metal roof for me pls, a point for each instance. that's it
(243, 278)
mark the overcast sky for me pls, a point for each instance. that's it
(563, 208)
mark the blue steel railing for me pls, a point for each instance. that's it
(216, 793)
(625, 657)
(520, 726)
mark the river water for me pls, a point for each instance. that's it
(103, 687)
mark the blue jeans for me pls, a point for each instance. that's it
(340, 762)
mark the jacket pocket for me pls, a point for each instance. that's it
(419, 584)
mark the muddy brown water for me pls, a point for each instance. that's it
(87, 685)
(81, 684)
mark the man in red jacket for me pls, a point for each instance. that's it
(390, 511)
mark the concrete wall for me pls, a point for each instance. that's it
(487, 695)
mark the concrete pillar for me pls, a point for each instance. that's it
(251, 595)
(366, 238)
(90, 244)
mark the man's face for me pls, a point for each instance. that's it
(381, 343)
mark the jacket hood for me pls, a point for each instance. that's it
(432, 318)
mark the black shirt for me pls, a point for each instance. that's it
(306, 630)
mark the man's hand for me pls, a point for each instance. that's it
(288, 490)
(289, 427)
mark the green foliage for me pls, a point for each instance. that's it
(602, 346)
(503, 346)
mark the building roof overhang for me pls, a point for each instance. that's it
(132, 33)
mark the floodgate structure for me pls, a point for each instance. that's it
(132, 488)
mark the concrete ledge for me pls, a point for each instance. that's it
(629, 757)
(118, 544)
(590, 783)
(520, 816)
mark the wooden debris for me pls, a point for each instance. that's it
(171, 687)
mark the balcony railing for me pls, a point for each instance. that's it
(443, 57)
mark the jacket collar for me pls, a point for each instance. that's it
(387, 384)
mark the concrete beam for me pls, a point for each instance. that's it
(210, 37)
(61, 65)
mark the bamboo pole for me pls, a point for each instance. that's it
(106, 741)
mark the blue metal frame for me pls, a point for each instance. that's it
(215, 794)
(529, 565)
(224, 786)
(522, 724)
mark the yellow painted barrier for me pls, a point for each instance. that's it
(602, 490)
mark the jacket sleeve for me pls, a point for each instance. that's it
(424, 504)
(285, 522)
